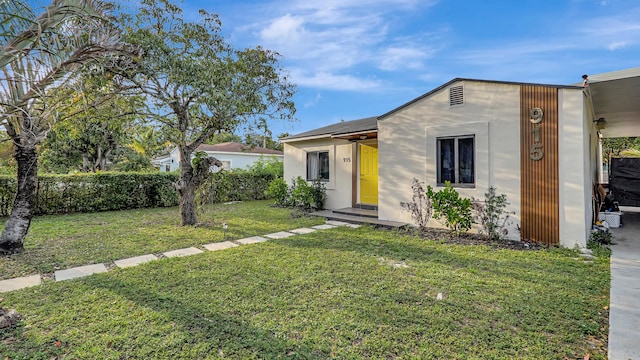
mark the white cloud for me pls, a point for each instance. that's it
(284, 30)
(330, 81)
(395, 58)
(330, 39)
(617, 45)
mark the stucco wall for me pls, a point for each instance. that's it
(575, 157)
(341, 159)
(407, 145)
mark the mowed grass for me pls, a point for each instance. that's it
(63, 241)
(340, 293)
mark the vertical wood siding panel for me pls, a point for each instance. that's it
(539, 179)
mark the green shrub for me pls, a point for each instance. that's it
(267, 165)
(599, 242)
(448, 205)
(492, 215)
(104, 192)
(318, 194)
(300, 194)
(90, 192)
(602, 237)
(235, 185)
(279, 191)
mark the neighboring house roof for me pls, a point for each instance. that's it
(237, 148)
(341, 128)
(475, 80)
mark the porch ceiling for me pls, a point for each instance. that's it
(616, 97)
(364, 135)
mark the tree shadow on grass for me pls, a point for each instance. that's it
(218, 333)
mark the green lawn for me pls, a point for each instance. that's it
(341, 293)
(64, 241)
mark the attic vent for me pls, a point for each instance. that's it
(456, 95)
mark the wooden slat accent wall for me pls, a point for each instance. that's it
(540, 217)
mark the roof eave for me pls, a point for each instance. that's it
(305, 138)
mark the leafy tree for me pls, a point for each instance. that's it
(255, 138)
(95, 122)
(223, 137)
(39, 53)
(145, 143)
(199, 85)
(615, 146)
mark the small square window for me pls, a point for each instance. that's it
(318, 165)
(456, 160)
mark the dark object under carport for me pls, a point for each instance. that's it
(624, 180)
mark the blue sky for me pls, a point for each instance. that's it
(353, 58)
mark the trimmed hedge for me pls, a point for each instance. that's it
(91, 192)
(236, 186)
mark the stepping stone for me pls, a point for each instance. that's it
(323, 227)
(354, 226)
(302, 231)
(337, 223)
(220, 245)
(279, 235)
(134, 261)
(19, 283)
(80, 271)
(251, 240)
(183, 252)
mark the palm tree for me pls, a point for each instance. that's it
(38, 54)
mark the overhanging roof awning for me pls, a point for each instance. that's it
(349, 130)
(616, 98)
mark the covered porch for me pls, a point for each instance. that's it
(614, 103)
(614, 99)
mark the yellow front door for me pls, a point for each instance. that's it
(369, 174)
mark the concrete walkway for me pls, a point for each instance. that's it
(624, 315)
(86, 270)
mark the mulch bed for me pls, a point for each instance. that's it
(477, 239)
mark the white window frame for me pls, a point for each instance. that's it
(317, 154)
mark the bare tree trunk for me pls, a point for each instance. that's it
(186, 190)
(24, 204)
(85, 162)
(189, 181)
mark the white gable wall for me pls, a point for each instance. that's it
(491, 112)
(407, 145)
(341, 160)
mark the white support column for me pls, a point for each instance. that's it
(600, 160)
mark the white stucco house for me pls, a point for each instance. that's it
(233, 155)
(537, 143)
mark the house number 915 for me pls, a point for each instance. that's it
(536, 152)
